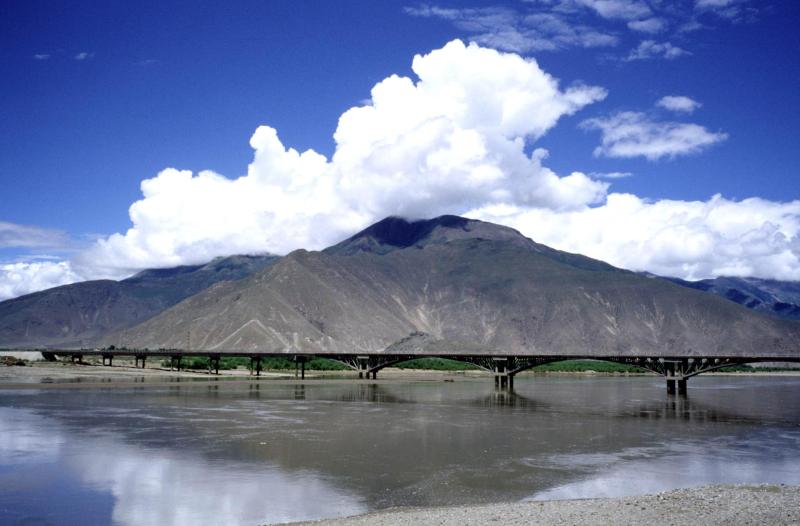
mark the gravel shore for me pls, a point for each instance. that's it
(723, 504)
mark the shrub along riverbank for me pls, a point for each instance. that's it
(435, 364)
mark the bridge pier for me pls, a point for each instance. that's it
(363, 367)
(504, 381)
(255, 365)
(109, 358)
(137, 358)
(175, 362)
(502, 378)
(213, 362)
(74, 357)
(365, 373)
(674, 374)
(300, 367)
(676, 385)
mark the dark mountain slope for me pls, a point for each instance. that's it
(779, 298)
(79, 313)
(465, 285)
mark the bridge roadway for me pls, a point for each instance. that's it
(676, 370)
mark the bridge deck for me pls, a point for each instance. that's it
(676, 369)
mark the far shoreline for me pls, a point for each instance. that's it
(67, 375)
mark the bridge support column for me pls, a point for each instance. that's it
(300, 366)
(676, 385)
(175, 362)
(676, 381)
(255, 365)
(502, 380)
(363, 367)
(108, 358)
(137, 358)
(213, 363)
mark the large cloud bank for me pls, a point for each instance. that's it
(688, 239)
(460, 139)
(452, 141)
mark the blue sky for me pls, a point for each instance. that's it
(98, 97)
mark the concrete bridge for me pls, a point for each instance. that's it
(676, 370)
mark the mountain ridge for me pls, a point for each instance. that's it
(362, 267)
(81, 312)
(463, 283)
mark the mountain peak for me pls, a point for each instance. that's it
(395, 232)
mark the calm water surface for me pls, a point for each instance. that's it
(211, 453)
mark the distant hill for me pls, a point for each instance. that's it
(457, 285)
(778, 298)
(79, 313)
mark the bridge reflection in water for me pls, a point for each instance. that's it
(676, 370)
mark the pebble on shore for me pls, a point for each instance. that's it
(707, 505)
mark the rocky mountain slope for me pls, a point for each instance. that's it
(71, 315)
(779, 298)
(455, 285)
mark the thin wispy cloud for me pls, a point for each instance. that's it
(630, 134)
(610, 175)
(13, 235)
(734, 10)
(41, 56)
(608, 9)
(650, 49)
(553, 25)
(83, 55)
(507, 29)
(649, 25)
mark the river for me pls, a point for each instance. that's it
(238, 453)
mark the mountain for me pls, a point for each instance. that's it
(778, 298)
(79, 313)
(457, 285)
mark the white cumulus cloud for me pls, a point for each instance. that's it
(452, 140)
(459, 138)
(688, 239)
(633, 134)
(20, 278)
(678, 103)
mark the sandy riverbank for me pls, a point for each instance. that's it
(67, 375)
(708, 505)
